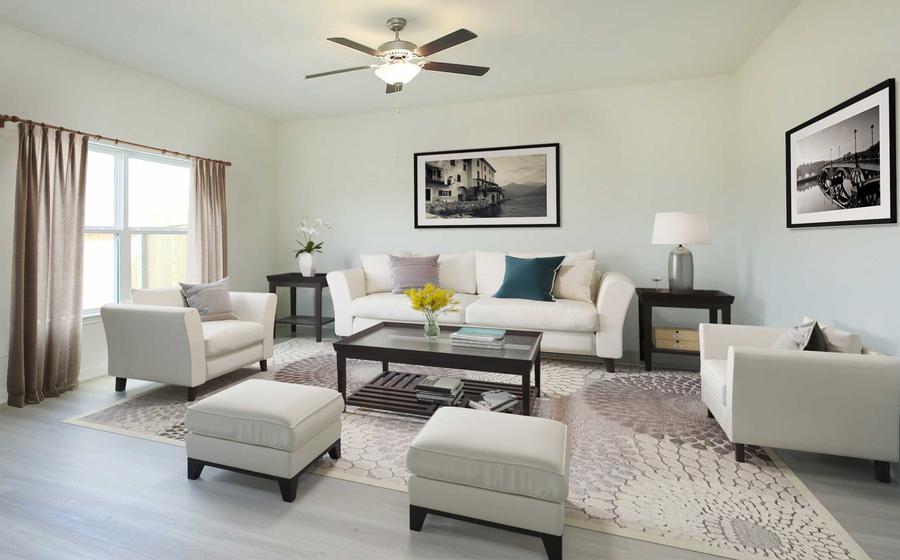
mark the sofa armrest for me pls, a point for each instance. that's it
(825, 402)
(155, 343)
(345, 286)
(715, 339)
(260, 308)
(613, 299)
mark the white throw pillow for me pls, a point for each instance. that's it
(457, 272)
(837, 340)
(574, 281)
(377, 268)
(489, 270)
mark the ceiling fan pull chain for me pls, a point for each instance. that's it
(397, 124)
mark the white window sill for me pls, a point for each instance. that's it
(91, 318)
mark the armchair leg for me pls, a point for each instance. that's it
(191, 394)
(739, 452)
(416, 517)
(882, 471)
(263, 365)
(610, 365)
(120, 384)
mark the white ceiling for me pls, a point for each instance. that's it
(247, 52)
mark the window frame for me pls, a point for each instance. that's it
(121, 230)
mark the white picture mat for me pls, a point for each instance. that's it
(552, 202)
(880, 99)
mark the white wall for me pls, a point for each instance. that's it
(625, 153)
(825, 52)
(49, 82)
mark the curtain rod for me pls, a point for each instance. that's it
(12, 118)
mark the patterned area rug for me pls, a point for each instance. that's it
(646, 463)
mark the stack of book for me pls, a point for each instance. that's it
(479, 337)
(496, 401)
(440, 390)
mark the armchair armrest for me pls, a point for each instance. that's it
(613, 299)
(155, 343)
(345, 286)
(715, 339)
(825, 402)
(259, 308)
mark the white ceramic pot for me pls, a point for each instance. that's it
(307, 264)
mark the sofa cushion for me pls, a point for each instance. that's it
(529, 278)
(212, 300)
(266, 413)
(396, 307)
(559, 315)
(222, 337)
(837, 340)
(571, 256)
(457, 272)
(413, 272)
(490, 265)
(523, 455)
(713, 374)
(377, 268)
(575, 281)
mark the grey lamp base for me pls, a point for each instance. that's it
(681, 270)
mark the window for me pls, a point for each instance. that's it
(135, 223)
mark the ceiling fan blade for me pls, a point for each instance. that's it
(393, 88)
(354, 45)
(320, 74)
(456, 68)
(445, 42)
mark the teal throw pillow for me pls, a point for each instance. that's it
(529, 278)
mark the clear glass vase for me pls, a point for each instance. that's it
(432, 329)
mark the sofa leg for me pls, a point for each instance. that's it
(120, 384)
(709, 413)
(335, 450)
(610, 365)
(553, 546)
(263, 365)
(882, 471)
(191, 394)
(739, 452)
(194, 468)
(416, 517)
(288, 487)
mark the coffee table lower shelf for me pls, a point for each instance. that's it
(396, 392)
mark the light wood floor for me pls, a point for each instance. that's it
(71, 492)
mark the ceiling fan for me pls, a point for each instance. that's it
(400, 61)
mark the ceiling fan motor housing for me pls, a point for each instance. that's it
(397, 50)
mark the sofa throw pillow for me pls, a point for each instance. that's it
(414, 272)
(807, 336)
(211, 300)
(575, 281)
(529, 278)
(837, 340)
(377, 269)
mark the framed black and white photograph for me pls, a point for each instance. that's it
(840, 164)
(490, 187)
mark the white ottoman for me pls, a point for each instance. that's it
(501, 470)
(264, 428)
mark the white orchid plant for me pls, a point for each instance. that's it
(310, 229)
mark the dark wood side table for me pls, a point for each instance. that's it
(648, 298)
(294, 280)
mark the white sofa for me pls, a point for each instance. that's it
(158, 338)
(823, 402)
(362, 297)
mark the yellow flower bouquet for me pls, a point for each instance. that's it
(432, 300)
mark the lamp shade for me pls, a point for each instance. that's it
(680, 228)
(397, 72)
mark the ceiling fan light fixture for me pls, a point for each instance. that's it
(397, 72)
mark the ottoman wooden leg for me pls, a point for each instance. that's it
(194, 468)
(288, 487)
(416, 517)
(120, 384)
(553, 546)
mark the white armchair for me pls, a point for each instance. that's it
(822, 402)
(158, 338)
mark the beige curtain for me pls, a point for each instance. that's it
(45, 330)
(208, 228)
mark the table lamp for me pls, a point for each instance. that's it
(680, 229)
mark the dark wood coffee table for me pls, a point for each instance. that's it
(404, 343)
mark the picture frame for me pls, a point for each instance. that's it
(840, 165)
(510, 186)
